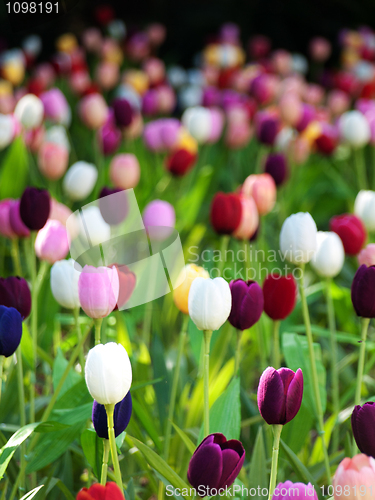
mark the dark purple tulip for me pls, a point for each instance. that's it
(114, 207)
(10, 330)
(216, 463)
(35, 207)
(16, 222)
(268, 130)
(123, 111)
(363, 291)
(276, 166)
(280, 395)
(363, 426)
(121, 417)
(247, 304)
(109, 139)
(15, 292)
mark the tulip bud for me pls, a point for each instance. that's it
(5, 225)
(123, 111)
(351, 231)
(367, 255)
(98, 291)
(280, 395)
(277, 167)
(352, 474)
(121, 417)
(267, 130)
(262, 188)
(161, 216)
(80, 180)
(197, 120)
(330, 254)
(29, 111)
(287, 491)
(113, 205)
(53, 160)
(108, 373)
(127, 282)
(92, 225)
(209, 303)
(280, 296)
(354, 128)
(364, 208)
(215, 464)
(226, 212)
(10, 330)
(56, 107)
(124, 171)
(247, 304)
(15, 292)
(180, 162)
(7, 130)
(93, 111)
(35, 207)
(320, 49)
(100, 492)
(51, 243)
(249, 219)
(363, 425)
(298, 241)
(18, 227)
(109, 138)
(363, 292)
(64, 283)
(186, 277)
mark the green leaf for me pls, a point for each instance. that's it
(148, 423)
(7, 451)
(92, 447)
(62, 487)
(58, 369)
(16, 159)
(27, 346)
(120, 440)
(156, 462)
(185, 438)
(258, 468)
(301, 470)
(31, 494)
(296, 431)
(130, 492)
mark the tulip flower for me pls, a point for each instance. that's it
(29, 111)
(64, 283)
(276, 166)
(93, 111)
(267, 130)
(363, 425)
(5, 225)
(367, 255)
(364, 208)
(15, 292)
(355, 477)
(215, 464)
(7, 130)
(92, 226)
(247, 304)
(51, 243)
(287, 491)
(80, 179)
(186, 278)
(121, 417)
(10, 330)
(180, 162)
(99, 492)
(52, 160)
(330, 255)
(113, 205)
(109, 138)
(262, 188)
(56, 107)
(158, 216)
(249, 219)
(298, 241)
(197, 121)
(124, 171)
(351, 231)
(35, 205)
(123, 111)
(354, 129)
(226, 212)
(16, 223)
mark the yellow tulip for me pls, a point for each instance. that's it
(67, 43)
(181, 293)
(14, 71)
(137, 79)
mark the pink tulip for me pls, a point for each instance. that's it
(158, 216)
(282, 62)
(98, 290)
(262, 188)
(367, 255)
(217, 124)
(249, 219)
(80, 81)
(34, 138)
(107, 75)
(92, 39)
(290, 108)
(155, 70)
(51, 243)
(314, 94)
(355, 478)
(61, 213)
(338, 102)
(156, 33)
(45, 74)
(56, 107)
(124, 171)
(15, 220)
(5, 226)
(53, 160)
(93, 111)
(237, 134)
(320, 49)
(166, 99)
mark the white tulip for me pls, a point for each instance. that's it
(80, 180)
(117, 29)
(190, 95)
(298, 241)
(177, 76)
(299, 64)
(64, 283)
(127, 92)
(92, 225)
(284, 139)
(6, 130)
(354, 128)
(364, 208)
(198, 121)
(108, 373)
(57, 134)
(32, 45)
(29, 111)
(330, 255)
(209, 303)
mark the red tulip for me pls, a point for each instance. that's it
(351, 231)
(98, 492)
(280, 296)
(226, 212)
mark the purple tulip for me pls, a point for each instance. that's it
(267, 130)
(109, 139)
(16, 222)
(121, 417)
(363, 426)
(15, 292)
(291, 491)
(114, 207)
(10, 330)
(277, 167)
(35, 207)
(215, 463)
(363, 291)
(123, 111)
(247, 304)
(280, 395)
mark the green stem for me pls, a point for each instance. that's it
(276, 345)
(106, 447)
(15, 251)
(261, 346)
(361, 360)
(112, 442)
(238, 352)
(360, 166)
(314, 372)
(206, 372)
(79, 337)
(98, 326)
(21, 400)
(276, 429)
(334, 371)
(34, 323)
(172, 401)
(223, 248)
(2, 359)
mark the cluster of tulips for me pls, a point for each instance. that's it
(78, 133)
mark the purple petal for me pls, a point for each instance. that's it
(206, 465)
(271, 400)
(294, 396)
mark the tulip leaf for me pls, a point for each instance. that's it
(31, 494)
(157, 463)
(160, 371)
(258, 467)
(185, 438)
(7, 451)
(58, 369)
(130, 492)
(92, 447)
(296, 352)
(16, 157)
(296, 431)
(147, 422)
(27, 346)
(301, 470)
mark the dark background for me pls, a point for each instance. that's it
(290, 24)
